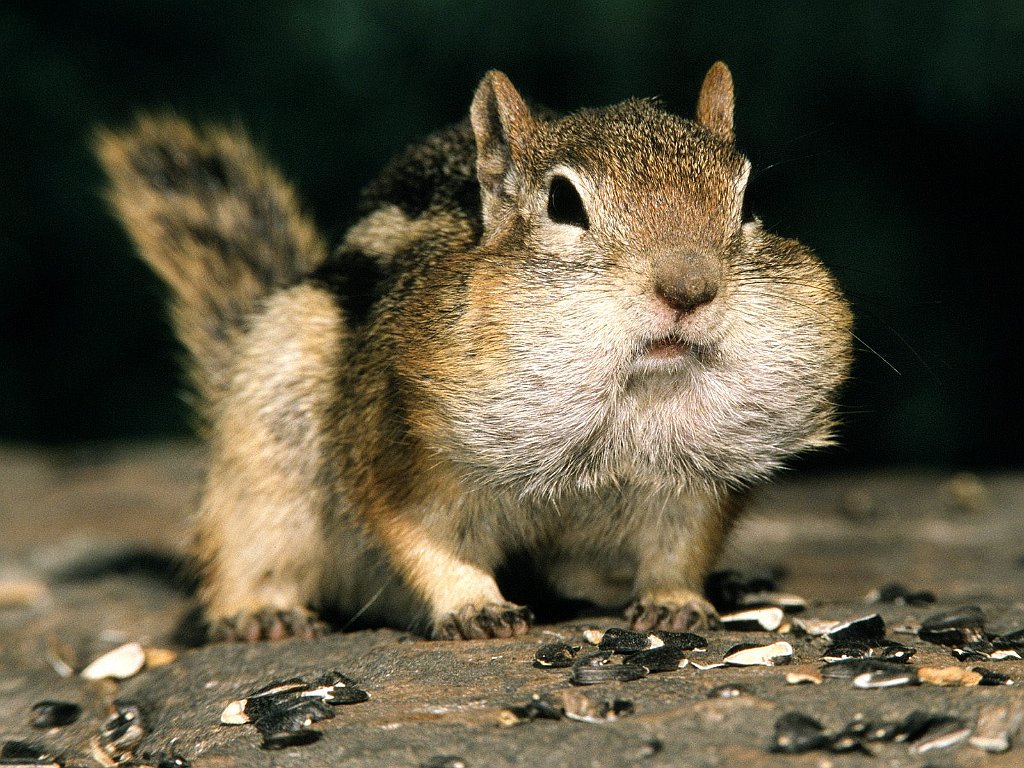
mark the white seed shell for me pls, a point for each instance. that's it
(234, 713)
(768, 618)
(120, 663)
(764, 655)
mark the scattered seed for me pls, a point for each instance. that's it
(25, 750)
(285, 739)
(591, 675)
(787, 602)
(444, 761)
(664, 659)
(943, 732)
(991, 677)
(539, 707)
(996, 727)
(580, 707)
(122, 731)
(851, 668)
(914, 725)
(120, 663)
(1014, 639)
(796, 733)
(850, 739)
(814, 627)
(283, 710)
(957, 627)
(621, 640)
(684, 641)
(159, 657)
(983, 650)
(892, 651)
(764, 655)
(703, 667)
(767, 619)
(948, 676)
(593, 635)
(726, 589)
(555, 655)
(803, 676)
(864, 629)
(886, 678)
(729, 691)
(60, 656)
(899, 595)
(845, 651)
(163, 760)
(54, 714)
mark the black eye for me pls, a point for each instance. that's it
(565, 205)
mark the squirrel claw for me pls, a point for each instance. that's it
(267, 624)
(500, 620)
(697, 613)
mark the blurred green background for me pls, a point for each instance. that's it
(886, 136)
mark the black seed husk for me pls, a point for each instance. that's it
(725, 589)
(851, 668)
(904, 674)
(286, 739)
(624, 640)
(942, 732)
(591, 675)
(991, 677)
(796, 733)
(16, 749)
(685, 641)
(664, 659)
(123, 730)
(896, 652)
(957, 627)
(293, 715)
(348, 695)
(844, 651)
(333, 678)
(913, 726)
(54, 714)
(864, 629)
(897, 593)
(555, 655)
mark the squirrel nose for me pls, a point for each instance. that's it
(687, 279)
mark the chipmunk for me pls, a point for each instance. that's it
(550, 334)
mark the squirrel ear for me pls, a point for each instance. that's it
(716, 101)
(500, 121)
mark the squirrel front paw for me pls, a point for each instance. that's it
(686, 612)
(267, 624)
(472, 622)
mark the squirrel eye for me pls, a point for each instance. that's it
(565, 205)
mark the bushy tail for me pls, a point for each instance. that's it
(216, 222)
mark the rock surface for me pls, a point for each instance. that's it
(90, 540)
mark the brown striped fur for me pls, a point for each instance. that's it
(591, 374)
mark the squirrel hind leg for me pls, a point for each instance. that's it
(261, 527)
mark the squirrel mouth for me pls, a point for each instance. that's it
(666, 348)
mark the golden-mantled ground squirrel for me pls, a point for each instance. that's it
(551, 335)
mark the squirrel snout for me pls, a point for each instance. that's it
(687, 279)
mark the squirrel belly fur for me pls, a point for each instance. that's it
(544, 334)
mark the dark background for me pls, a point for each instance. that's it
(887, 138)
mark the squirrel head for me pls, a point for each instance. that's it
(631, 178)
(618, 321)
